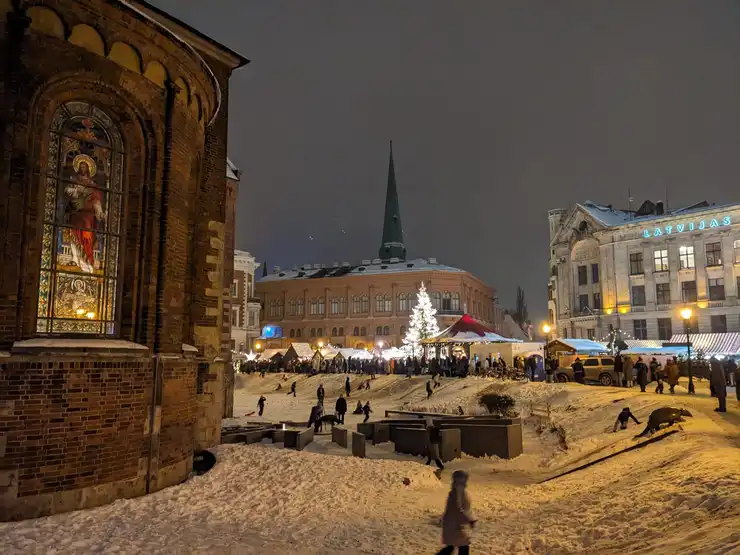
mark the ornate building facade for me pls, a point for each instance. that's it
(114, 264)
(634, 271)
(359, 305)
(245, 306)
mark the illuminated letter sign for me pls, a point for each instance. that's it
(686, 226)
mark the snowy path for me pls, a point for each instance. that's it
(681, 495)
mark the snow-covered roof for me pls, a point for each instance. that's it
(267, 354)
(468, 330)
(232, 172)
(712, 343)
(582, 345)
(644, 343)
(302, 350)
(374, 267)
(614, 217)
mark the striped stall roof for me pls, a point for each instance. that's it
(712, 343)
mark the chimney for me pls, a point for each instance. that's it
(659, 210)
(275, 269)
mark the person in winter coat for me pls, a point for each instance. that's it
(347, 386)
(366, 410)
(458, 517)
(341, 408)
(433, 441)
(623, 419)
(358, 408)
(737, 382)
(672, 374)
(619, 369)
(292, 389)
(642, 374)
(261, 404)
(719, 382)
(628, 366)
(656, 371)
(429, 389)
(579, 373)
(320, 394)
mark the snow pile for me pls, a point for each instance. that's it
(679, 495)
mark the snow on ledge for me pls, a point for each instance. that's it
(78, 345)
(189, 348)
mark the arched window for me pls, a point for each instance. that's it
(322, 305)
(80, 256)
(299, 307)
(437, 300)
(313, 306)
(291, 307)
(402, 331)
(319, 332)
(292, 332)
(313, 332)
(456, 301)
(386, 330)
(383, 303)
(363, 331)
(379, 330)
(403, 302)
(356, 331)
(447, 301)
(334, 332)
(341, 332)
(298, 332)
(334, 305)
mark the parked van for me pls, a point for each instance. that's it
(598, 369)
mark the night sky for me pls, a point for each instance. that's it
(498, 111)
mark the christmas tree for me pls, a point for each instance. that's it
(422, 323)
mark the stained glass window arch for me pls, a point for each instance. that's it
(83, 181)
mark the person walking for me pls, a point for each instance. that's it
(366, 410)
(458, 517)
(320, 394)
(737, 382)
(341, 408)
(719, 382)
(347, 386)
(672, 374)
(619, 369)
(656, 371)
(579, 373)
(429, 388)
(642, 374)
(292, 389)
(433, 440)
(628, 367)
(261, 404)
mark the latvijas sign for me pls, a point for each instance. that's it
(697, 225)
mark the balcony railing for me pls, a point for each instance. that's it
(254, 300)
(449, 312)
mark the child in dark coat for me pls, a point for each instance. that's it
(623, 418)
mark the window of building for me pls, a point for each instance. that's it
(686, 257)
(583, 303)
(436, 300)
(299, 307)
(714, 254)
(298, 332)
(446, 301)
(403, 302)
(83, 219)
(386, 330)
(383, 303)
(456, 301)
(292, 332)
(636, 264)
(640, 329)
(361, 304)
(252, 319)
(334, 332)
(638, 295)
(317, 306)
(341, 332)
(582, 275)
(235, 316)
(276, 309)
(591, 333)
(736, 248)
(291, 307)
(234, 288)
(688, 291)
(250, 286)
(402, 331)
(597, 302)
(719, 323)
(661, 260)
(594, 273)
(716, 289)
(665, 329)
(319, 332)
(313, 332)
(663, 293)
(356, 331)
(334, 305)
(379, 330)
(363, 331)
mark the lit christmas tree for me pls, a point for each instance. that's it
(423, 323)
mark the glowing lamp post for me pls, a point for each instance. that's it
(320, 344)
(686, 315)
(546, 330)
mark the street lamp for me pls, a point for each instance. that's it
(546, 329)
(258, 345)
(686, 315)
(320, 344)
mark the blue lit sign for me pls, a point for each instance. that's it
(685, 227)
(270, 332)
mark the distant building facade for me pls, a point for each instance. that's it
(245, 305)
(362, 304)
(635, 270)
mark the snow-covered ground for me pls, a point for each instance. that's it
(679, 495)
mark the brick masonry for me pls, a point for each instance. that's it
(80, 429)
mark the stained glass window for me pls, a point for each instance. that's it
(78, 286)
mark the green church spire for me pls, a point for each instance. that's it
(392, 245)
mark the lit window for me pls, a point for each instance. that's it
(736, 247)
(714, 254)
(686, 257)
(661, 260)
